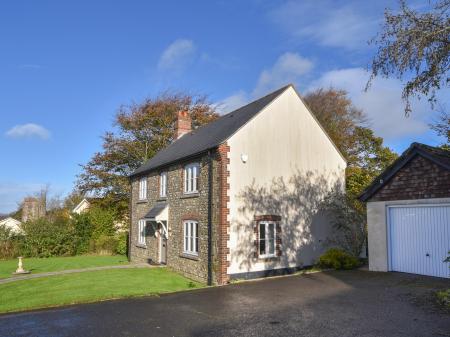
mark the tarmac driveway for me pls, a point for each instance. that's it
(348, 303)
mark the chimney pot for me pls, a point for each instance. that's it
(183, 124)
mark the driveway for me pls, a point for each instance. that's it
(347, 303)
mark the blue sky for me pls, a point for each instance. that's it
(65, 68)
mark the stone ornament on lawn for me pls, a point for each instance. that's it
(20, 269)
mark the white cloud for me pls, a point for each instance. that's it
(328, 23)
(177, 55)
(233, 102)
(382, 103)
(288, 68)
(28, 131)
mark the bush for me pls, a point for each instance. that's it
(338, 259)
(122, 243)
(10, 243)
(83, 229)
(443, 297)
(44, 238)
(349, 222)
(104, 245)
(103, 221)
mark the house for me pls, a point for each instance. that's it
(239, 197)
(12, 224)
(83, 206)
(408, 213)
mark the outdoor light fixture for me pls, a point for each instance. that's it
(244, 158)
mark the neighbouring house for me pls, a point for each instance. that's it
(12, 224)
(239, 197)
(84, 205)
(408, 213)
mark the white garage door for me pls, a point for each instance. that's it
(419, 239)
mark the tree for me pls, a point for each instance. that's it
(442, 128)
(345, 124)
(141, 131)
(415, 46)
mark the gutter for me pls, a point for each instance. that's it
(210, 192)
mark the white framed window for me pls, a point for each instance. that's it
(141, 232)
(163, 184)
(191, 173)
(143, 189)
(266, 239)
(190, 237)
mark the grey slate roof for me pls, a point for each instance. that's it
(156, 210)
(437, 155)
(208, 136)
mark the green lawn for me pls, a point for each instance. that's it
(90, 287)
(42, 265)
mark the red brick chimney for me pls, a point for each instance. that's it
(183, 124)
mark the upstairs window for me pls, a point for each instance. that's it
(141, 232)
(266, 240)
(163, 184)
(190, 237)
(143, 189)
(191, 173)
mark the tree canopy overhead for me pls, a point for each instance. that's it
(415, 46)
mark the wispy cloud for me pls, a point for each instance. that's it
(30, 66)
(29, 130)
(11, 194)
(288, 68)
(327, 22)
(382, 103)
(177, 55)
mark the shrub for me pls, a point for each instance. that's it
(338, 259)
(349, 222)
(10, 243)
(44, 238)
(122, 243)
(104, 245)
(83, 229)
(443, 297)
(103, 221)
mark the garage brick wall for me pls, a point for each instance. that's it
(418, 179)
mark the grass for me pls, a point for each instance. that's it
(90, 287)
(42, 265)
(443, 297)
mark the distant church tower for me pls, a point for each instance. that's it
(33, 208)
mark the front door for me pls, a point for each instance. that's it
(162, 249)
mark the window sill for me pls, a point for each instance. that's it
(140, 245)
(142, 201)
(268, 258)
(189, 256)
(190, 195)
(162, 199)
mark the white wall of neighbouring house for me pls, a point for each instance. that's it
(291, 164)
(12, 224)
(83, 206)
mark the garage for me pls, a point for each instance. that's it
(408, 214)
(418, 239)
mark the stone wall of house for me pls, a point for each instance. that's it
(33, 208)
(181, 207)
(418, 179)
